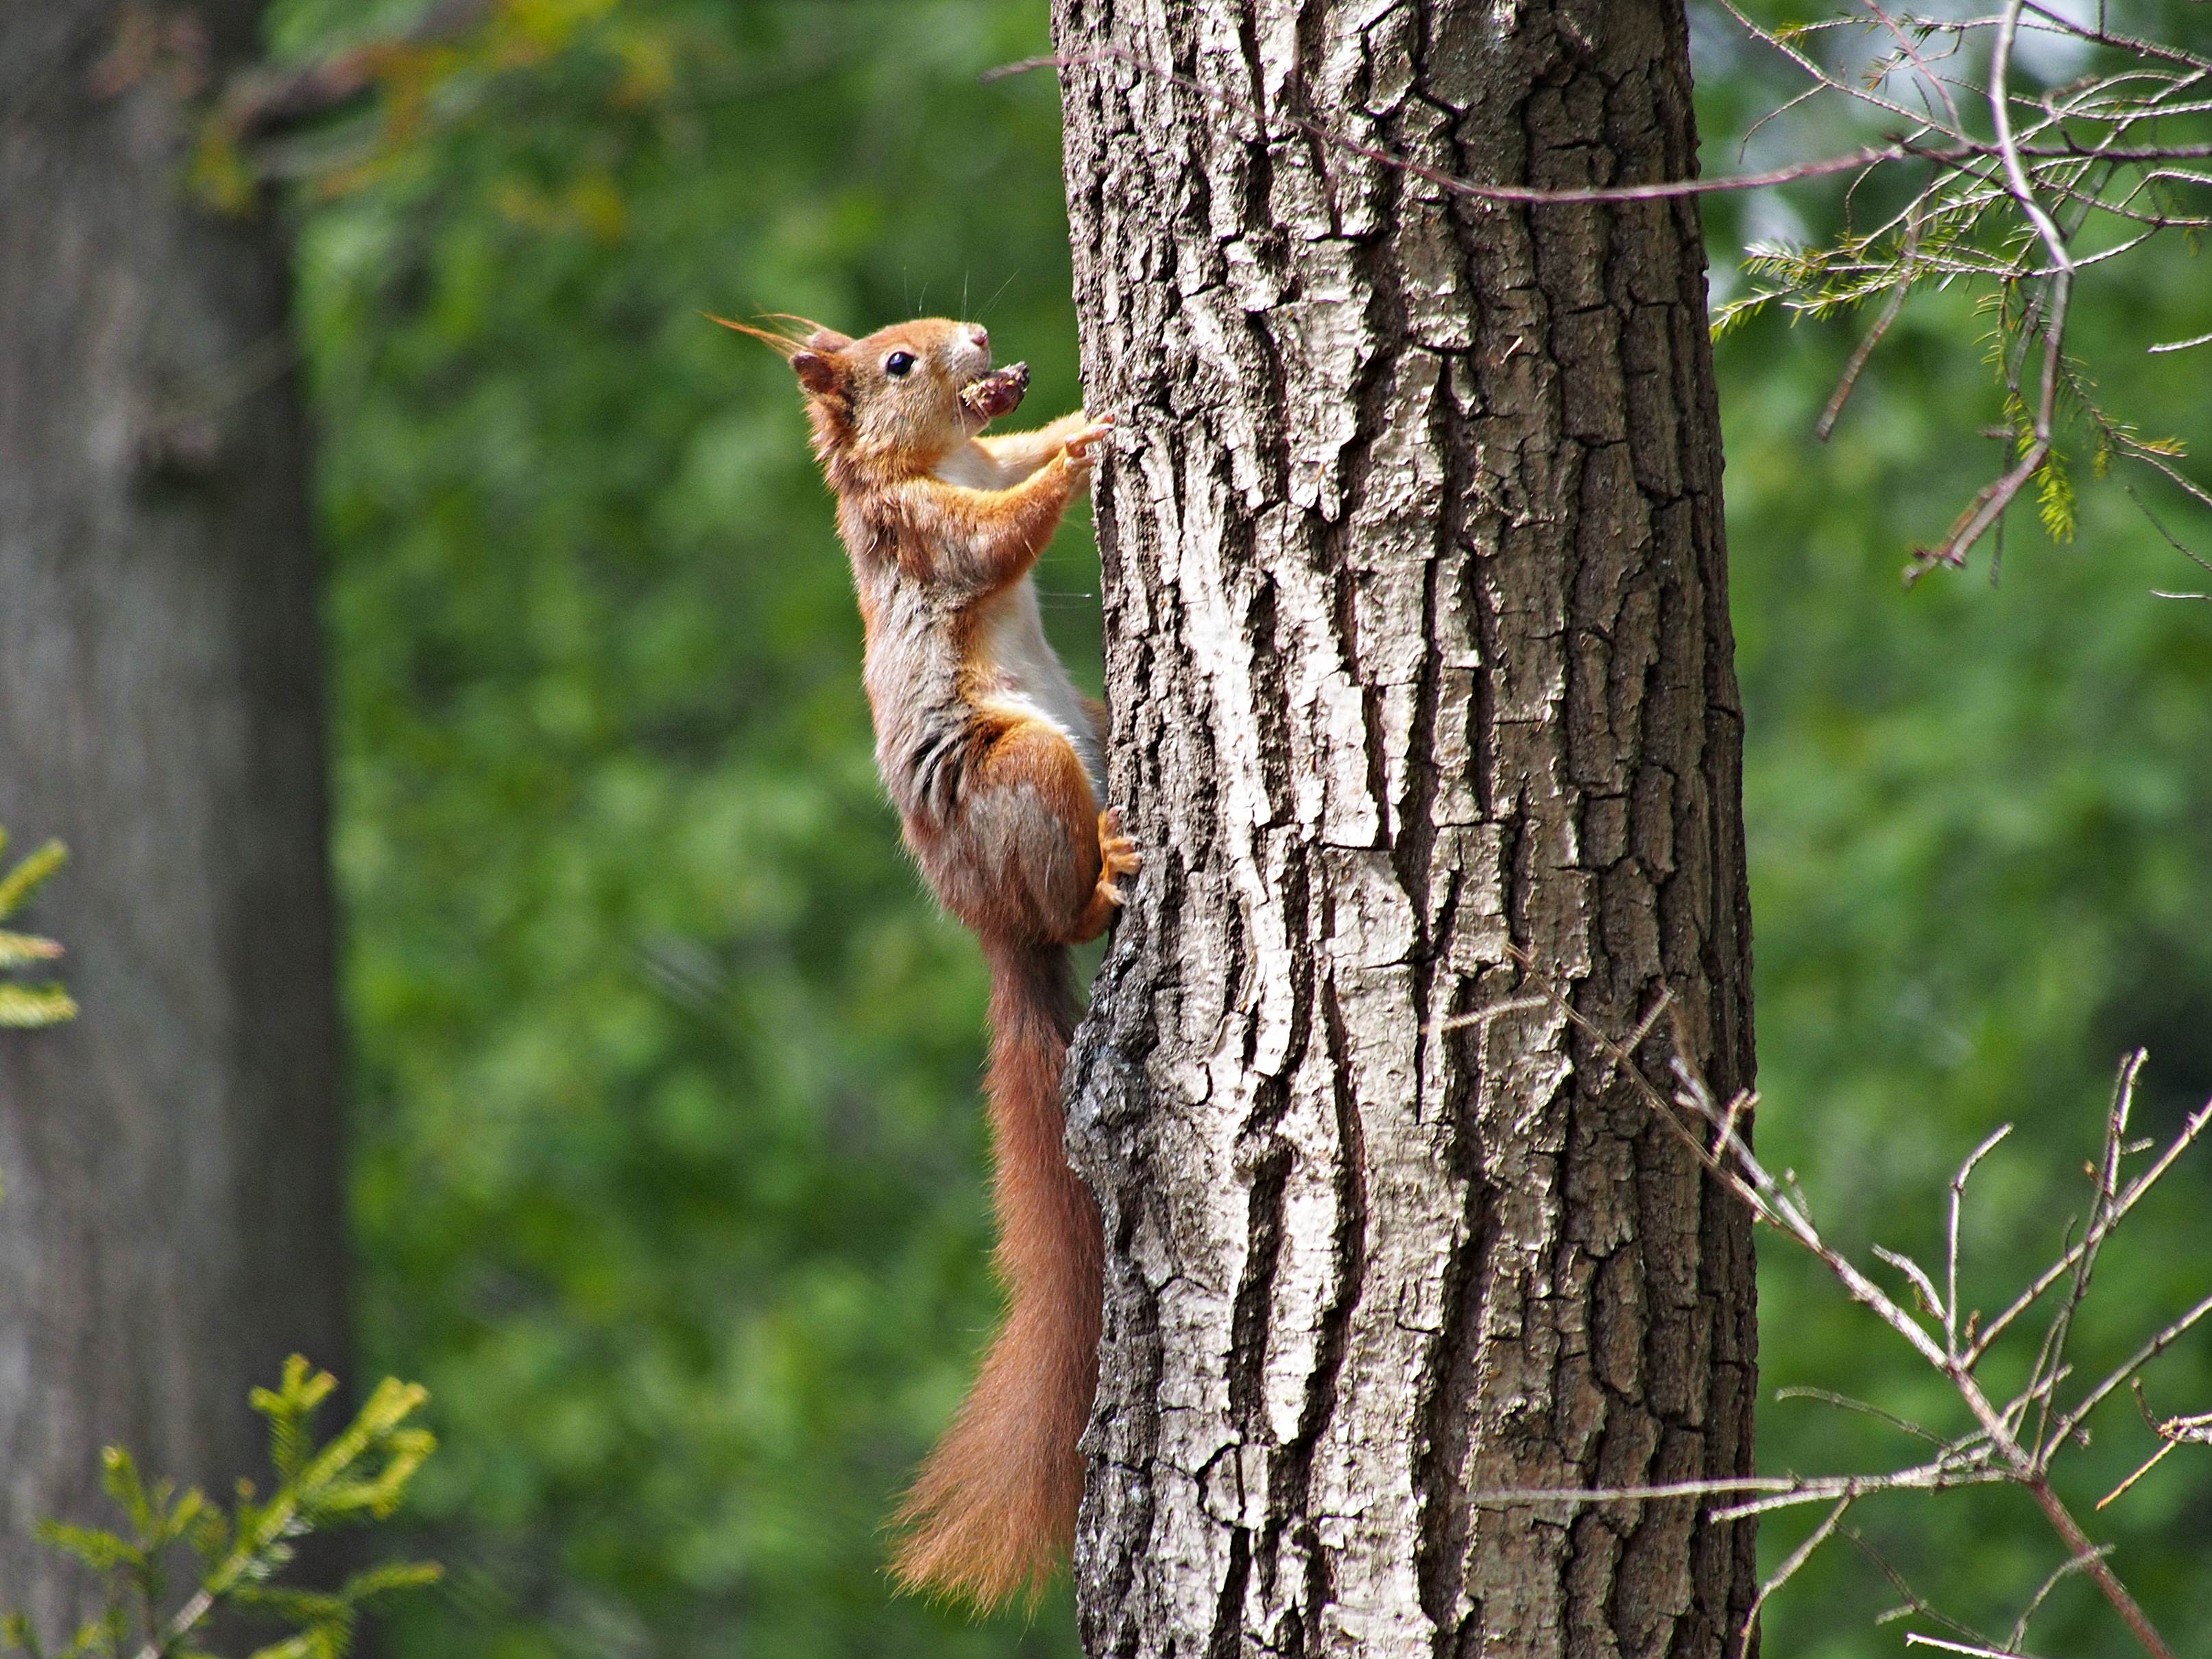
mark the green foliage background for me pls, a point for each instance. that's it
(667, 1164)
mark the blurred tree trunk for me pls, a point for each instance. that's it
(172, 1223)
(1418, 650)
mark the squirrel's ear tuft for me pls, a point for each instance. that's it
(817, 372)
(814, 359)
(799, 334)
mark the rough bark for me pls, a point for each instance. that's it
(1419, 656)
(170, 1227)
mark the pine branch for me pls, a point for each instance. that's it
(359, 1474)
(29, 1007)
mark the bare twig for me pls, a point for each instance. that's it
(2174, 1432)
(2112, 1215)
(1796, 1560)
(1913, 1638)
(2180, 345)
(1760, 1492)
(1998, 1452)
(2002, 206)
(1853, 369)
(1914, 1602)
(2142, 1356)
(2057, 1576)
(1844, 1402)
(1526, 195)
(1951, 1251)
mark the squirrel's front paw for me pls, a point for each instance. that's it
(1078, 447)
(1117, 855)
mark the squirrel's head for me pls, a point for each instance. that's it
(900, 400)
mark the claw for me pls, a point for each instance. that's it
(1117, 855)
(1079, 442)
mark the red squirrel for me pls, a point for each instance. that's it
(997, 768)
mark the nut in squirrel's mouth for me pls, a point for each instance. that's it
(998, 392)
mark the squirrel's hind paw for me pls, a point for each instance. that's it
(1117, 855)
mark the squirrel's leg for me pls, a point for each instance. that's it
(982, 539)
(1020, 453)
(1031, 856)
(1117, 853)
(1117, 857)
(985, 538)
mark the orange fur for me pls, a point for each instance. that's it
(995, 764)
(993, 1510)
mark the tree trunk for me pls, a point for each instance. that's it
(1419, 657)
(170, 1227)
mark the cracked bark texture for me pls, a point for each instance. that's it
(1418, 652)
(171, 1225)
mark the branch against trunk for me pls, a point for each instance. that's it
(171, 1224)
(1418, 650)
(264, 101)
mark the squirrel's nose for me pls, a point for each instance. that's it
(981, 336)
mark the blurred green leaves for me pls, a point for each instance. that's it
(668, 1159)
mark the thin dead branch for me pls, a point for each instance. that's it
(1997, 1448)
(2009, 180)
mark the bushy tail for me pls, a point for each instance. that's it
(993, 1513)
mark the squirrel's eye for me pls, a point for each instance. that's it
(897, 363)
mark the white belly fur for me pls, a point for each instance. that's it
(972, 468)
(1036, 685)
